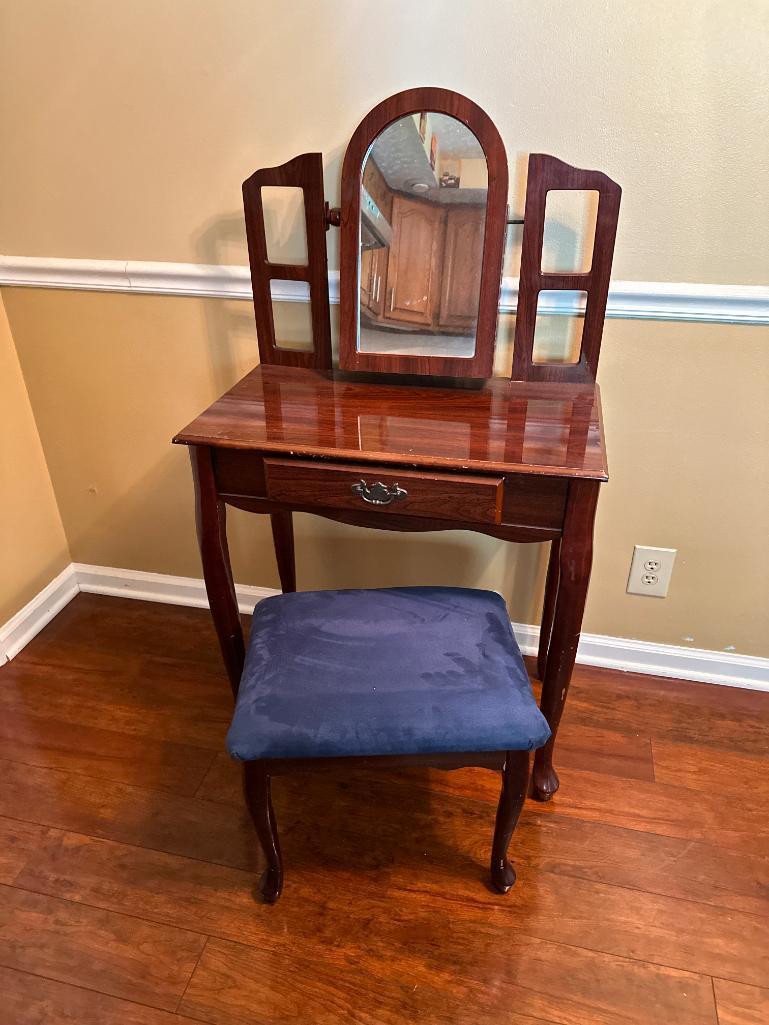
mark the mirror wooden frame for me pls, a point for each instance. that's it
(412, 101)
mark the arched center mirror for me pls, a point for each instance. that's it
(424, 190)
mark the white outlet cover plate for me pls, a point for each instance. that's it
(650, 571)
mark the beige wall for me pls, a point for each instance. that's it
(114, 377)
(132, 127)
(33, 548)
(133, 124)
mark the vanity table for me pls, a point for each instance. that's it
(411, 432)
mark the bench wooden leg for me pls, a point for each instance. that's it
(256, 787)
(515, 783)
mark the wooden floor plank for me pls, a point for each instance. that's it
(668, 866)
(101, 950)
(100, 631)
(714, 771)
(45, 742)
(628, 922)
(661, 930)
(150, 818)
(18, 841)
(613, 754)
(527, 978)
(32, 1000)
(167, 701)
(741, 1005)
(677, 711)
(658, 808)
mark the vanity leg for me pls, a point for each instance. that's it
(515, 782)
(551, 594)
(283, 541)
(211, 518)
(256, 788)
(576, 557)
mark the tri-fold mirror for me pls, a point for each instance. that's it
(423, 218)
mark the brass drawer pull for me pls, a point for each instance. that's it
(379, 493)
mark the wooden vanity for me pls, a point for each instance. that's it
(417, 435)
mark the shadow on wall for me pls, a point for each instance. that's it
(331, 554)
(226, 320)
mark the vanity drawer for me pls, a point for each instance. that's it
(436, 495)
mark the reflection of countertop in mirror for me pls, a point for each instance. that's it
(499, 425)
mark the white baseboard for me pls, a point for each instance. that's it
(702, 665)
(29, 621)
(698, 664)
(160, 587)
(628, 300)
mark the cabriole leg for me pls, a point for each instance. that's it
(515, 782)
(576, 556)
(256, 787)
(210, 516)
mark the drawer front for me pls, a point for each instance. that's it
(440, 496)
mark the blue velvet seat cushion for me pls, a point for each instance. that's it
(404, 670)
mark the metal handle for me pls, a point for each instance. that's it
(379, 493)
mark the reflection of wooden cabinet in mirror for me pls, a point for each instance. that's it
(461, 272)
(431, 275)
(412, 270)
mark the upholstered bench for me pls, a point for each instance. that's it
(425, 675)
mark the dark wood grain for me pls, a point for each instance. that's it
(412, 101)
(304, 172)
(546, 173)
(522, 507)
(699, 715)
(441, 496)
(210, 518)
(738, 1004)
(165, 822)
(283, 540)
(667, 810)
(497, 427)
(233, 979)
(575, 561)
(256, 790)
(32, 1000)
(713, 771)
(106, 698)
(548, 610)
(515, 783)
(128, 633)
(106, 754)
(18, 840)
(115, 954)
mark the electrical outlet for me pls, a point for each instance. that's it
(650, 571)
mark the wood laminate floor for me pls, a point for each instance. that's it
(127, 865)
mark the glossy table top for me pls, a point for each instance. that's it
(490, 426)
